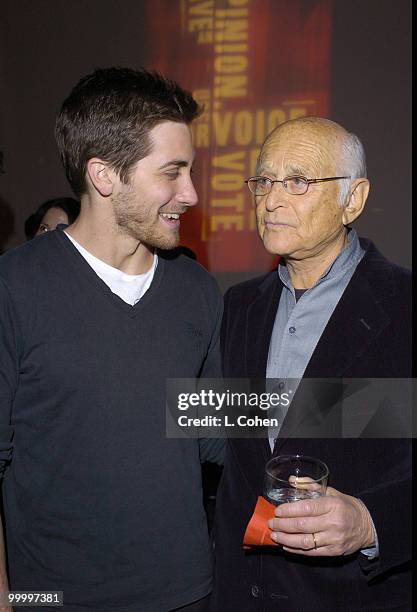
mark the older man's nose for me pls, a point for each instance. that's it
(276, 197)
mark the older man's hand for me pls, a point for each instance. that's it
(333, 525)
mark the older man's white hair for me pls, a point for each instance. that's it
(352, 163)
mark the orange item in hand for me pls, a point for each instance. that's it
(257, 532)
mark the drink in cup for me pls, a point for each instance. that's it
(291, 478)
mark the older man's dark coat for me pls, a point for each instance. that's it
(368, 336)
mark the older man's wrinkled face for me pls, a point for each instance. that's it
(300, 226)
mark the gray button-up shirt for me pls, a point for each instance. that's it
(299, 324)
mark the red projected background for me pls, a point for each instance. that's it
(253, 64)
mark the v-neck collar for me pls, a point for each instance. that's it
(83, 267)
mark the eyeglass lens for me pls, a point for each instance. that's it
(295, 185)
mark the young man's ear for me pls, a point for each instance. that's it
(356, 199)
(101, 176)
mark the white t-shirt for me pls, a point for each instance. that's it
(129, 287)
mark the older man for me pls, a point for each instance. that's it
(335, 308)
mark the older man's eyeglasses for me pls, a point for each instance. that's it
(295, 185)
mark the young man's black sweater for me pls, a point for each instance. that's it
(98, 502)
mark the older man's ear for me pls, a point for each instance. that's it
(356, 199)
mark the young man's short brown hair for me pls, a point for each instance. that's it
(109, 115)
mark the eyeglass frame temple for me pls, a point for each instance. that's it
(323, 180)
(309, 181)
(319, 180)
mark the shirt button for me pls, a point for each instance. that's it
(254, 590)
(281, 385)
(292, 330)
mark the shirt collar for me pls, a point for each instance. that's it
(349, 257)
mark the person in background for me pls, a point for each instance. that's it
(335, 308)
(99, 502)
(50, 214)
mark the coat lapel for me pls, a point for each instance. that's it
(259, 324)
(356, 322)
(260, 321)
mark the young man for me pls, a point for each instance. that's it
(98, 502)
